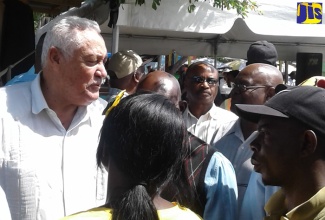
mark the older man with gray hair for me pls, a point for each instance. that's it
(49, 127)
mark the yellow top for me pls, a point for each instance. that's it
(101, 213)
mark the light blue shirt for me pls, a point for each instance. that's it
(256, 196)
(24, 77)
(221, 187)
(231, 146)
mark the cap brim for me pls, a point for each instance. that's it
(254, 112)
(282, 87)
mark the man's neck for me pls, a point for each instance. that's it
(64, 111)
(66, 116)
(304, 186)
(199, 109)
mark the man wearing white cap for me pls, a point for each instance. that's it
(125, 71)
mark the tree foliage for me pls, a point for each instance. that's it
(241, 6)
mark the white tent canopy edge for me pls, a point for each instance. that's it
(171, 27)
(207, 31)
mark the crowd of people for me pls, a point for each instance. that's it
(157, 147)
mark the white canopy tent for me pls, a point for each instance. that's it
(209, 31)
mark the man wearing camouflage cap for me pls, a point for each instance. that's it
(124, 70)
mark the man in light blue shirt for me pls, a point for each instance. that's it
(253, 85)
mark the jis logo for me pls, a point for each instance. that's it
(309, 12)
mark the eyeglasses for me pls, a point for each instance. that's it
(243, 88)
(200, 79)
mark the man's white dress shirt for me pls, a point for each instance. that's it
(211, 126)
(46, 171)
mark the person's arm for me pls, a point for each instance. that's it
(221, 189)
(5, 212)
(4, 208)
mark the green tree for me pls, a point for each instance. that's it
(241, 6)
(37, 17)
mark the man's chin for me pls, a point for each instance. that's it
(91, 97)
(268, 181)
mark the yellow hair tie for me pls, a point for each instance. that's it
(115, 103)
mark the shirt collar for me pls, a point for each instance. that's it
(38, 101)
(275, 206)
(310, 208)
(213, 112)
(236, 130)
(307, 210)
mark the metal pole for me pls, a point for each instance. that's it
(215, 52)
(115, 39)
(286, 68)
(159, 62)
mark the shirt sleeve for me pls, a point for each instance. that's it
(255, 198)
(5, 213)
(221, 187)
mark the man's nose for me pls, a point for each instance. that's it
(205, 84)
(255, 144)
(101, 71)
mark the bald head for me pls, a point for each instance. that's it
(162, 83)
(263, 73)
(259, 80)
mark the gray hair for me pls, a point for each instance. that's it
(64, 35)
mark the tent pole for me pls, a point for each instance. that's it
(286, 71)
(115, 39)
(215, 50)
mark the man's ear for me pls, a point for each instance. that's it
(270, 92)
(309, 144)
(54, 55)
(137, 76)
(182, 105)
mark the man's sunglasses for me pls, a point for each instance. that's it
(200, 79)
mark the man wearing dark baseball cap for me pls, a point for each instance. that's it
(262, 52)
(289, 151)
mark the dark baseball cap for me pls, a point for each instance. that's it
(303, 103)
(262, 52)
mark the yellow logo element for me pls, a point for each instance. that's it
(309, 12)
